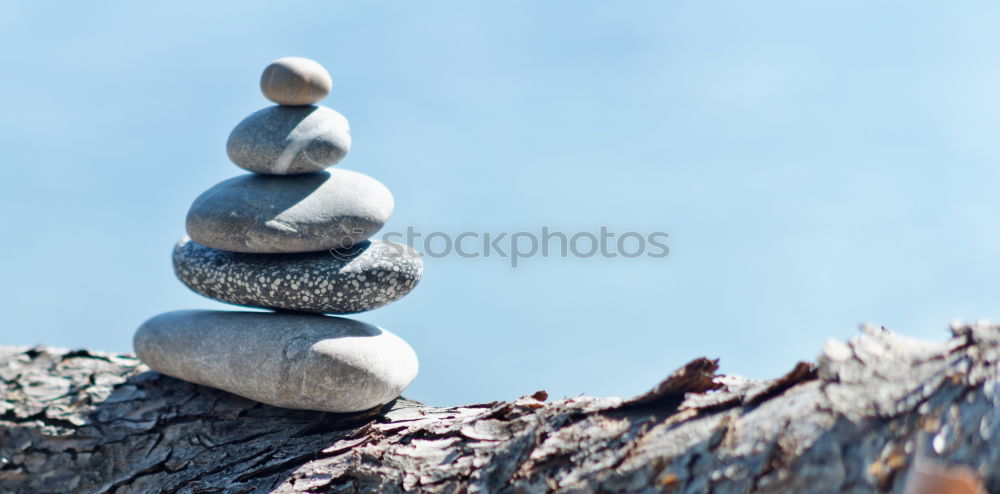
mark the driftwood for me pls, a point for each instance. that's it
(882, 413)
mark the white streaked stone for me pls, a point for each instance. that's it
(285, 140)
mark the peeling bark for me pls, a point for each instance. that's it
(881, 413)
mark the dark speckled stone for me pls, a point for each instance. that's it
(371, 275)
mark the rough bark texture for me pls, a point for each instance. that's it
(869, 416)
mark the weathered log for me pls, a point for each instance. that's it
(881, 413)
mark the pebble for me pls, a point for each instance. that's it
(301, 361)
(285, 140)
(372, 274)
(295, 81)
(269, 214)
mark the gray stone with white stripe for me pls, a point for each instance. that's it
(285, 140)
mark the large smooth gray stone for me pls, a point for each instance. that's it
(371, 275)
(284, 140)
(269, 214)
(287, 360)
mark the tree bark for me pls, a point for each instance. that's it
(881, 413)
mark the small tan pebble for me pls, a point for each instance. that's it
(295, 81)
(937, 479)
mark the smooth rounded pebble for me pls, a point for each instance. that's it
(269, 214)
(369, 276)
(284, 140)
(288, 360)
(295, 81)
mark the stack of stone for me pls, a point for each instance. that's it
(294, 238)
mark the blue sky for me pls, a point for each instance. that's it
(816, 166)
